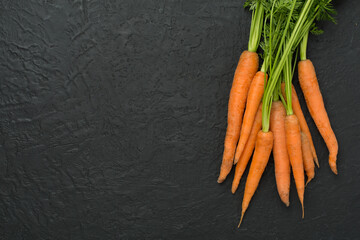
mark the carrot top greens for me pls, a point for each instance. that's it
(282, 35)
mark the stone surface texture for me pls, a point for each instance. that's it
(113, 116)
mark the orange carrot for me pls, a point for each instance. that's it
(293, 144)
(263, 147)
(300, 115)
(245, 71)
(248, 150)
(281, 157)
(309, 166)
(314, 101)
(254, 98)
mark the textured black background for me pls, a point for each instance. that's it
(113, 116)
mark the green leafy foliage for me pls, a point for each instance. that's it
(286, 23)
(316, 30)
(251, 4)
(326, 11)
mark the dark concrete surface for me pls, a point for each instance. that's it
(113, 116)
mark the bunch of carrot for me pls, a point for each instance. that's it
(264, 113)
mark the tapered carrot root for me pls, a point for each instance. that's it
(281, 157)
(314, 101)
(300, 115)
(248, 150)
(309, 166)
(293, 144)
(245, 71)
(263, 147)
(256, 92)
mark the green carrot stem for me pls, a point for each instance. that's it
(264, 66)
(276, 95)
(285, 31)
(256, 27)
(303, 47)
(270, 35)
(279, 66)
(282, 99)
(288, 80)
(295, 61)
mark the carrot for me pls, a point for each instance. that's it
(254, 98)
(248, 150)
(314, 101)
(281, 157)
(245, 71)
(263, 147)
(300, 115)
(293, 144)
(307, 158)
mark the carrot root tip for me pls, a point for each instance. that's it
(286, 201)
(333, 168)
(242, 216)
(317, 162)
(220, 180)
(307, 182)
(303, 212)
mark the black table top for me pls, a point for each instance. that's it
(113, 117)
